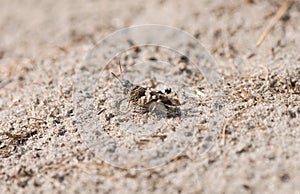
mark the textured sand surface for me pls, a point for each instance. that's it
(42, 44)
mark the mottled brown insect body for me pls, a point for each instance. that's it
(136, 93)
(144, 99)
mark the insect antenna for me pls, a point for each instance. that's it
(117, 77)
(121, 71)
(120, 66)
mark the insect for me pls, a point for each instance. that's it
(144, 99)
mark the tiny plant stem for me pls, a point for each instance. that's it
(232, 118)
(282, 10)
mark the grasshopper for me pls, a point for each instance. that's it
(144, 99)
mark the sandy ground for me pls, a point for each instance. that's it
(42, 44)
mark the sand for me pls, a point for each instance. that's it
(45, 136)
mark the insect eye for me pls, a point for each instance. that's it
(126, 83)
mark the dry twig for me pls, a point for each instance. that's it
(282, 10)
(233, 117)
